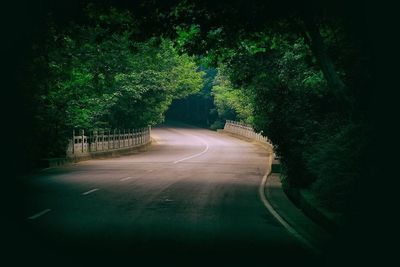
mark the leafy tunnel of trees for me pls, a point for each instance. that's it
(301, 75)
(299, 72)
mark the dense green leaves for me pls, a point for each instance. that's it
(96, 75)
(231, 103)
(157, 76)
(289, 77)
(297, 75)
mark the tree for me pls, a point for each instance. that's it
(231, 103)
(96, 74)
(301, 68)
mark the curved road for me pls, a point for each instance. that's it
(191, 199)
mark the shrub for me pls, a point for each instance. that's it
(335, 161)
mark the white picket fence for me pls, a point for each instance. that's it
(245, 130)
(98, 141)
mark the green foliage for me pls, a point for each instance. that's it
(157, 76)
(231, 103)
(335, 160)
(196, 109)
(273, 81)
(281, 93)
(95, 75)
(297, 76)
(187, 35)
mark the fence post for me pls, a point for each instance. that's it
(123, 139)
(108, 140)
(129, 137)
(73, 141)
(119, 138)
(132, 137)
(102, 140)
(113, 146)
(89, 141)
(95, 139)
(83, 140)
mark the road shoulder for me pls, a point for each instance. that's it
(273, 191)
(308, 229)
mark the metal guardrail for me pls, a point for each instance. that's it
(97, 141)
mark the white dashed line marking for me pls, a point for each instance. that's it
(126, 178)
(37, 215)
(90, 191)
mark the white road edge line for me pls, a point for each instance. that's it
(282, 221)
(195, 155)
(37, 215)
(90, 191)
(126, 178)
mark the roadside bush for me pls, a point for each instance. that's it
(218, 124)
(335, 161)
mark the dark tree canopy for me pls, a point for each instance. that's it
(298, 71)
(303, 72)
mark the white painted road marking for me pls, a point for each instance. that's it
(90, 191)
(130, 177)
(37, 215)
(289, 228)
(195, 155)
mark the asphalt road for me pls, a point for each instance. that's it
(190, 199)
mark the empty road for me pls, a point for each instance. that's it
(190, 199)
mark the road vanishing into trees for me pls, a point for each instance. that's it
(190, 199)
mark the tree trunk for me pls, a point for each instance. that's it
(316, 43)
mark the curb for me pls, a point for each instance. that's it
(265, 198)
(299, 223)
(316, 235)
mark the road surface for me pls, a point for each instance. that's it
(191, 199)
